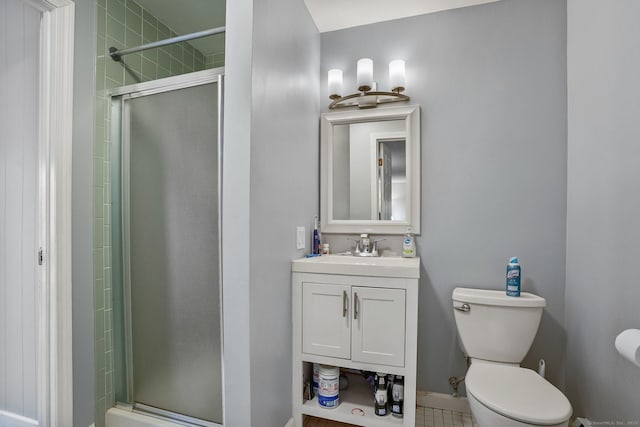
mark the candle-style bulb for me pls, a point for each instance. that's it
(397, 76)
(334, 81)
(365, 74)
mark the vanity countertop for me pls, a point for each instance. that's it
(359, 266)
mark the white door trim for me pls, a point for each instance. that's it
(55, 379)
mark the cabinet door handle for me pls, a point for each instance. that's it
(355, 305)
(345, 304)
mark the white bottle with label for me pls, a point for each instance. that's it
(409, 245)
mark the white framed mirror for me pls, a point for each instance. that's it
(370, 171)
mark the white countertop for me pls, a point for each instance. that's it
(359, 266)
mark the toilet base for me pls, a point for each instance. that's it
(485, 417)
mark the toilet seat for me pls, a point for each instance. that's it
(517, 393)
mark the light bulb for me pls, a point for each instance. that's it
(365, 74)
(397, 75)
(334, 81)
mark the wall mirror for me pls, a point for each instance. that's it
(370, 171)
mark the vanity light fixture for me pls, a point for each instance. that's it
(368, 95)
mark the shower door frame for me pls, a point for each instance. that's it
(119, 125)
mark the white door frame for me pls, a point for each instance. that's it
(55, 373)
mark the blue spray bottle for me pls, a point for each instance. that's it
(513, 277)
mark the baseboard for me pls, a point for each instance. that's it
(442, 401)
(289, 423)
(581, 422)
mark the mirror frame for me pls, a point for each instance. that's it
(411, 115)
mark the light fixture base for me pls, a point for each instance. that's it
(354, 100)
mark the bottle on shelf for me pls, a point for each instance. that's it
(329, 386)
(316, 374)
(397, 396)
(381, 397)
(390, 378)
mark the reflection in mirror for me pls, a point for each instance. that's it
(392, 167)
(370, 171)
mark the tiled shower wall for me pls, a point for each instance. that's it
(123, 24)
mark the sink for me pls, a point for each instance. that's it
(359, 266)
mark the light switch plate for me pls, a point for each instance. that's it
(300, 237)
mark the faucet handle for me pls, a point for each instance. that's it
(374, 248)
(375, 242)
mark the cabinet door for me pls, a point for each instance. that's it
(378, 326)
(326, 320)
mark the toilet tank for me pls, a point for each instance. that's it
(496, 327)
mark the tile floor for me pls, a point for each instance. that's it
(425, 417)
(432, 417)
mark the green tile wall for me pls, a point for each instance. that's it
(123, 24)
(214, 60)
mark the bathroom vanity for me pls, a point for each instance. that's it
(359, 314)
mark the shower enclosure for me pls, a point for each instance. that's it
(166, 168)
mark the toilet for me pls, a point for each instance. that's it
(496, 332)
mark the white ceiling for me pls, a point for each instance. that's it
(189, 16)
(331, 15)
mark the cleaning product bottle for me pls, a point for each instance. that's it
(381, 400)
(397, 397)
(317, 246)
(408, 245)
(513, 277)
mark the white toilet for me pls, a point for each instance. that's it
(496, 332)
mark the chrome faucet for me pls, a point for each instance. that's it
(366, 247)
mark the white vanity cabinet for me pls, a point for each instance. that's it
(359, 314)
(364, 324)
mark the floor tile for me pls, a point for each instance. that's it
(425, 417)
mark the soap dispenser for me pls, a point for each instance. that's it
(408, 245)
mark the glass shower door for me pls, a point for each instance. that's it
(171, 252)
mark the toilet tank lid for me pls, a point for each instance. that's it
(499, 298)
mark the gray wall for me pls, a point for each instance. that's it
(491, 81)
(235, 213)
(284, 189)
(82, 221)
(602, 291)
(271, 184)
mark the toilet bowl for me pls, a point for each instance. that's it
(503, 395)
(496, 332)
